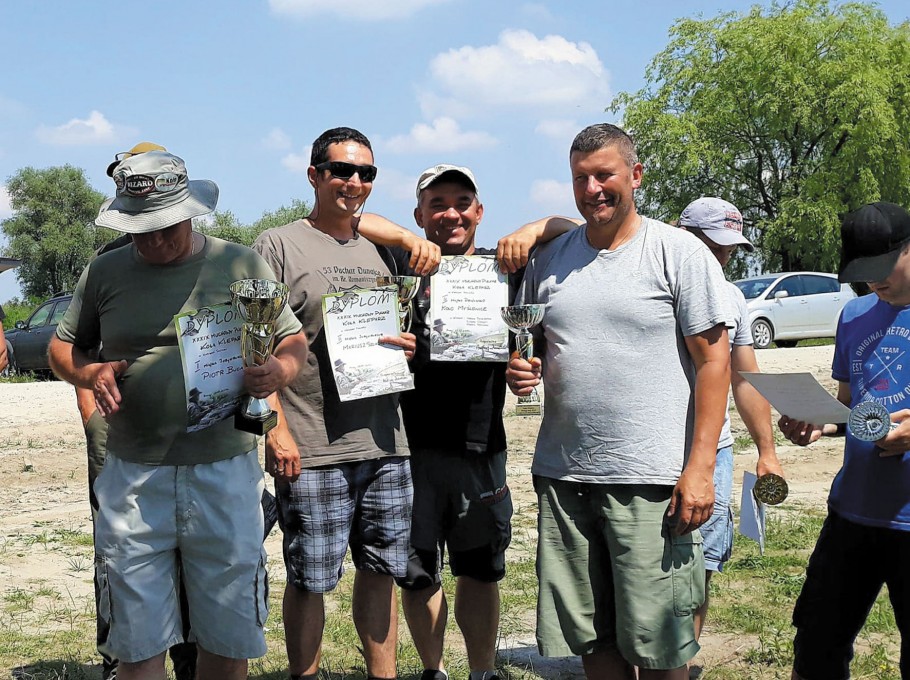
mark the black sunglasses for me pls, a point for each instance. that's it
(343, 170)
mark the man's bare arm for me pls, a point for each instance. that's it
(513, 250)
(425, 255)
(693, 497)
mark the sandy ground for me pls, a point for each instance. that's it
(43, 494)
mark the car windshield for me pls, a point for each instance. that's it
(752, 288)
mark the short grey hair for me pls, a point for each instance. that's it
(599, 136)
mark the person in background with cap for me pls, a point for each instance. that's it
(355, 486)
(453, 419)
(636, 357)
(161, 491)
(719, 225)
(183, 654)
(865, 540)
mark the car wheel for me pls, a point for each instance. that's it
(786, 343)
(762, 334)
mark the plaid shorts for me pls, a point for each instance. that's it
(364, 504)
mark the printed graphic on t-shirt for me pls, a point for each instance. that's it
(339, 278)
(880, 365)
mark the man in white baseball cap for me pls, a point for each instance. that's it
(162, 489)
(719, 225)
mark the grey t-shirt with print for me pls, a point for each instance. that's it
(328, 430)
(619, 405)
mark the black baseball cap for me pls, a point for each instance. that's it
(872, 238)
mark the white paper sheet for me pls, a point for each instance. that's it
(752, 513)
(799, 396)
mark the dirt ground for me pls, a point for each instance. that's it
(43, 494)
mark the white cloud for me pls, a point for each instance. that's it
(364, 10)
(277, 139)
(443, 135)
(562, 130)
(6, 210)
(298, 162)
(554, 197)
(521, 71)
(96, 129)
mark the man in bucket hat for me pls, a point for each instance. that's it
(183, 655)
(161, 492)
(865, 541)
(719, 225)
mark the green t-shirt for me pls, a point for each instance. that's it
(128, 306)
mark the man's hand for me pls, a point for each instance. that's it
(799, 432)
(425, 255)
(896, 442)
(523, 376)
(105, 388)
(513, 250)
(768, 464)
(261, 381)
(407, 341)
(282, 457)
(692, 501)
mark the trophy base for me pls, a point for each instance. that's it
(527, 406)
(771, 489)
(257, 426)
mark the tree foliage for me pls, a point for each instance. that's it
(224, 224)
(52, 228)
(796, 113)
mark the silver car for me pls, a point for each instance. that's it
(785, 308)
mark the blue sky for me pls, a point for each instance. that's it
(240, 90)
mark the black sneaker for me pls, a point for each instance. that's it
(430, 674)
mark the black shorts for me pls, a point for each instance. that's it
(463, 506)
(846, 572)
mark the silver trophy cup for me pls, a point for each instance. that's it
(407, 290)
(520, 318)
(870, 421)
(259, 303)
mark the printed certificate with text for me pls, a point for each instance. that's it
(354, 321)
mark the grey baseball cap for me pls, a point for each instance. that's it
(153, 192)
(718, 219)
(432, 175)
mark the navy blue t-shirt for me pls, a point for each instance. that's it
(873, 354)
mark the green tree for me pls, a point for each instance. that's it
(796, 113)
(225, 225)
(52, 228)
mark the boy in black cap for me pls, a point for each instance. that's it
(865, 541)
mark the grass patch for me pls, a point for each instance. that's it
(45, 633)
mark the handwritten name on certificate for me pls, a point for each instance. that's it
(466, 296)
(212, 366)
(354, 321)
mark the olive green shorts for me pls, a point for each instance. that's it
(614, 576)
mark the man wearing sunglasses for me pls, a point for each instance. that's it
(354, 485)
